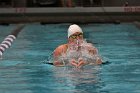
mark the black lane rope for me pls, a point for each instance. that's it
(7, 42)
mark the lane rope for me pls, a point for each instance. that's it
(7, 42)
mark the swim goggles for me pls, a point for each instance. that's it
(76, 35)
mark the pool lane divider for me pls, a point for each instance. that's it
(7, 42)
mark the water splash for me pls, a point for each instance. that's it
(78, 50)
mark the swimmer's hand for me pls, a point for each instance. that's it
(99, 61)
(78, 64)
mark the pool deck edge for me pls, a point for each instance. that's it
(70, 15)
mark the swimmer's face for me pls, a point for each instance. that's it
(76, 38)
(76, 35)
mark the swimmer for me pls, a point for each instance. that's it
(74, 51)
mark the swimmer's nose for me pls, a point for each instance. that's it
(78, 37)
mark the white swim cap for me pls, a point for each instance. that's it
(73, 29)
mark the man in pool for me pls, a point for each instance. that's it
(77, 52)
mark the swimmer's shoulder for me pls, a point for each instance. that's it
(60, 49)
(63, 46)
(90, 45)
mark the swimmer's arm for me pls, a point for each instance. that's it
(93, 50)
(57, 53)
(99, 60)
(58, 64)
(60, 50)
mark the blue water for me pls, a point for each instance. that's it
(22, 69)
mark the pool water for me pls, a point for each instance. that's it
(22, 69)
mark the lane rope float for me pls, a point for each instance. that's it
(7, 42)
